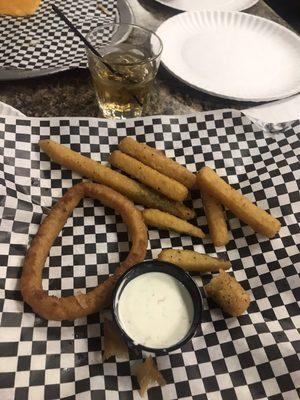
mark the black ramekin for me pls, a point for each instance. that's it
(176, 272)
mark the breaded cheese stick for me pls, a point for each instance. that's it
(148, 176)
(158, 161)
(164, 220)
(97, 172)
(190, 260)
(216, 221)
(228, 294)
(259, 220)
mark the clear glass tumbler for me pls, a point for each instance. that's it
(124, 75)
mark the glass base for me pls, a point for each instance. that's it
(119, 112)
(120, 115)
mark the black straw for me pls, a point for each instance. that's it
(79, 34)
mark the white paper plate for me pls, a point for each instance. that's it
(10, 111)
(232, 55)
(277, 111)
(220, 5)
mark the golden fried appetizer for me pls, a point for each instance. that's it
(158, 161)
(114, 344)
(97, 172)
(190, 260)
(164, 220)
(228, 294)
(216, 221)
(19, 8)
(146, 374)
(72, 307)
(157, 181)
(259, 220)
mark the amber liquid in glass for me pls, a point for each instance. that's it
(121, 93)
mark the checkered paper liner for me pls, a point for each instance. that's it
(44, 41)
(254, 356)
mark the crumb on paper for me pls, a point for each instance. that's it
(114, 344)
(81, 299)
(146, 374)
(104, 9)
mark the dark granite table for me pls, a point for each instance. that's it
(70, 93)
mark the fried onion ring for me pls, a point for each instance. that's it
(72, 307)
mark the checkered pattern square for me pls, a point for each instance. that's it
(254, 356)
(44, 41)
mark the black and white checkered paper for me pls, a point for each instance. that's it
(254, 356)
(44, 41)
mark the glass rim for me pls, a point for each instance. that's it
(147, 60)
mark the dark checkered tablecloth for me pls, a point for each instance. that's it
(44, 41)
(254, 356)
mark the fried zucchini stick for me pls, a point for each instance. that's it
(148, 176)
(158, 161)
(216, 221)
(190, 260)
(164, 220)
(97, 172)
(259, 220)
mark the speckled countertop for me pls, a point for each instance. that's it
(70, 93)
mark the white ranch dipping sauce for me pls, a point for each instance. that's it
(155, 310)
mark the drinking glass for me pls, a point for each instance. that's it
(124, 75)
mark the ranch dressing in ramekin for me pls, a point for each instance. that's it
(155, 310)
